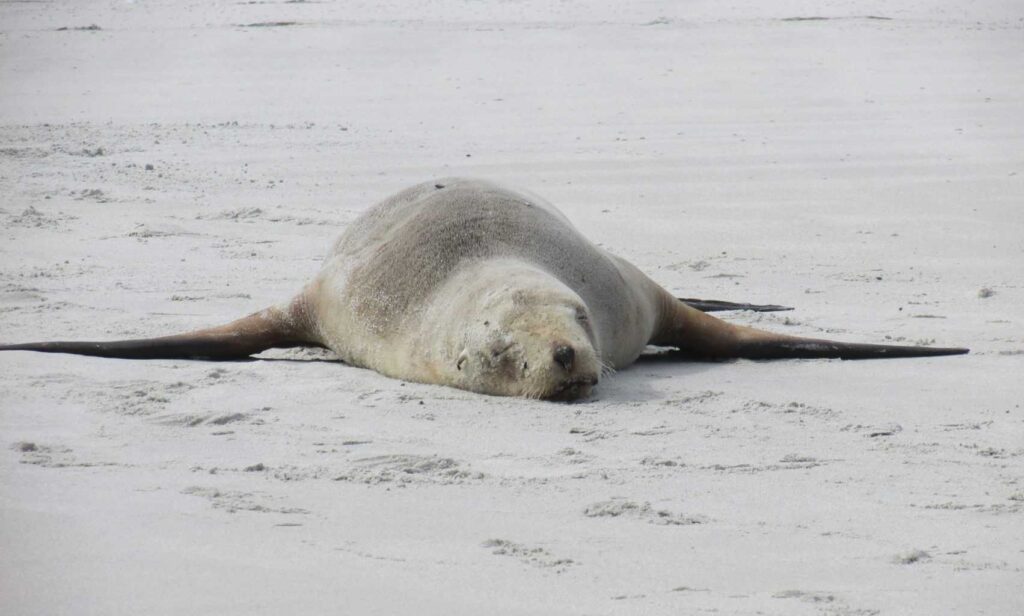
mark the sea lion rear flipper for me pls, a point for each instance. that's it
(270, 328)
(701, 335)
(716, 305)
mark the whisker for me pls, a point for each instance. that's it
(534, 392)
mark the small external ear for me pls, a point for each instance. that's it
(463, 356)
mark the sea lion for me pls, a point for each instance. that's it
(465, 283)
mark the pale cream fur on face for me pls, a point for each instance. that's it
(501, 330)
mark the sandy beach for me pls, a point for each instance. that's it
(173, 165)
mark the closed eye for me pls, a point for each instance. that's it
(584, 320)
(503, 350)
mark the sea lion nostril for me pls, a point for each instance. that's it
(564, 356)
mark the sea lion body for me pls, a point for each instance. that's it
(466, 283)
(390, 285)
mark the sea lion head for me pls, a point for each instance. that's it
(521, 332)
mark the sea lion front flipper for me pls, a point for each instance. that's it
(700, 335)
(276, 327)
(717, 305)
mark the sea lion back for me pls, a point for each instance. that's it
(401, 250)
(443, 203)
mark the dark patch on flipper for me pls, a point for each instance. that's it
(715, 305)
(821, 349)
(698, 335)
(211, 348)
(812, 349)
(267, 329)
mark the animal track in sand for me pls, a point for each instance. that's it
(90, 194)
(911, 557)
(269, 24)
(406, 469)
(803, 595)
(233, 501)
(351, 549)
(573, 456)
(284, 472)
(52, 456)
(386, 397)
(655, 430)
(626, 509)
(591, 434)
(828, 602)
(662, 462)
(30, 217)
(694, 399)
(786, 463)
(23, 152)
(140, 397)
(1016, 505)
(252, 214)
(844, 17)
(534, 556)
(874, 430)
(143, 233)
(792, 408)
(193, 420)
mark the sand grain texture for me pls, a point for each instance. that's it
(169, 165)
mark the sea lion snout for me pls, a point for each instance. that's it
(564, 355)
(574, 388)
(575, 379)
